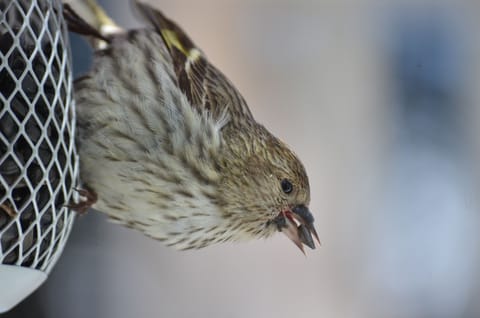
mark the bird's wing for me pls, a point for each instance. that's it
(205, 86)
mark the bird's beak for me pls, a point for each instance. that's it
(297, 225)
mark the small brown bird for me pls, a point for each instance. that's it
(170, 147)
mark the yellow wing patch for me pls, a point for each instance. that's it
(172, 40)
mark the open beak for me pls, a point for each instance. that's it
(297, 225)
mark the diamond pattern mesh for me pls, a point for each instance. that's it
(38, 160)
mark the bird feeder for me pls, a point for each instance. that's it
(38, 159)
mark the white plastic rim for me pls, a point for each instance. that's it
(17, 283)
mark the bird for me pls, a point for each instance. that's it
(169, 147)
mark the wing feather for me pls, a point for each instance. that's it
(204, 85)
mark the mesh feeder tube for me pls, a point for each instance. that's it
(38, 160)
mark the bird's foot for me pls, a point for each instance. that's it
(89, 197)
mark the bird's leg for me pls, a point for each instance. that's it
(83, 206)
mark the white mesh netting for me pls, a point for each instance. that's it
(38, 160)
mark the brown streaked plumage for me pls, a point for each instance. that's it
(172, 149)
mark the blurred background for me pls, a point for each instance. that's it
(380, 100)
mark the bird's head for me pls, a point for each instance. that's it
(265, 187)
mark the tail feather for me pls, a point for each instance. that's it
(78, 25)
(86, 17)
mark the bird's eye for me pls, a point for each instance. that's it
(287, 186)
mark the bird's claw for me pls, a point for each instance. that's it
(82, 207)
